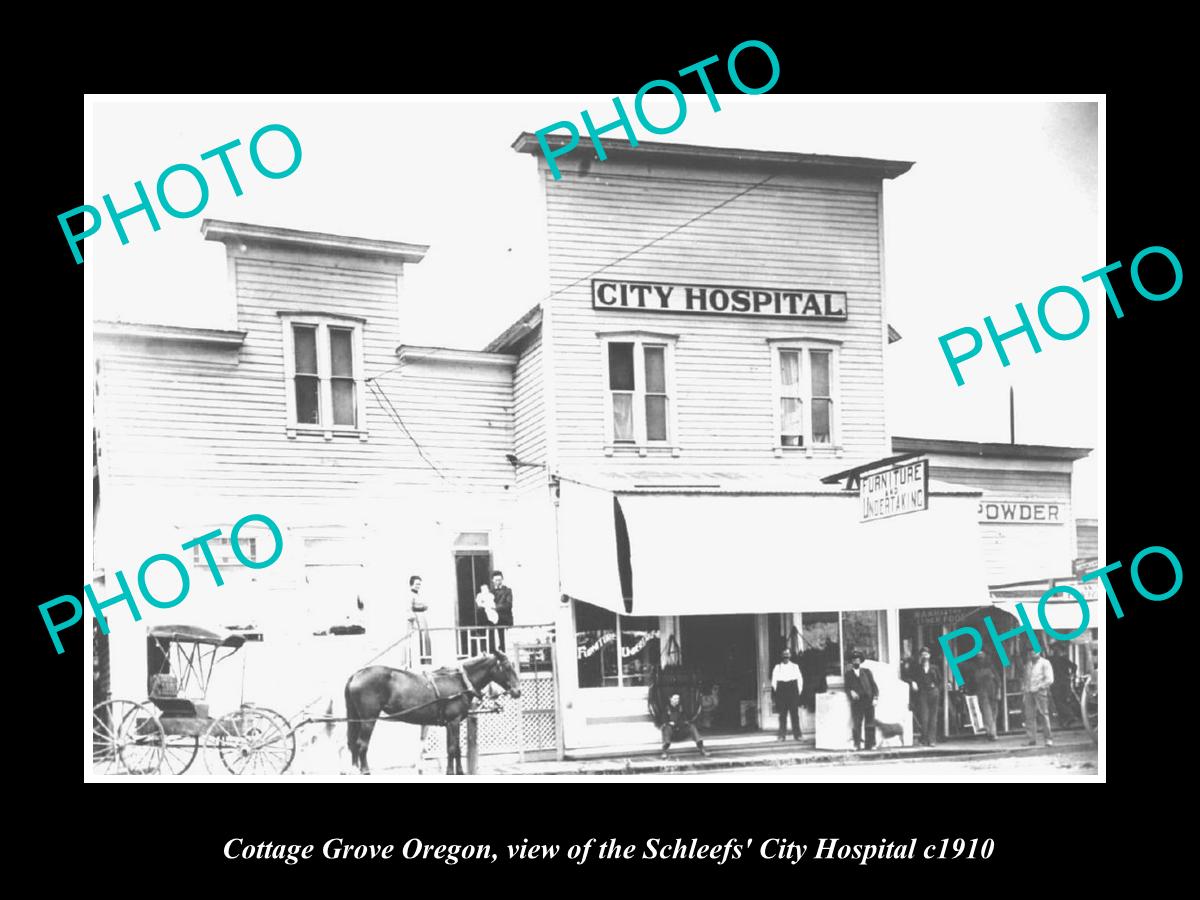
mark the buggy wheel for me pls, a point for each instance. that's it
(252, 741)
(126, 737)
(285, 728)
(1089, 702)
(179, 753)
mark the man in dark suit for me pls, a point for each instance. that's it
(985, 683)
(860, 686)
(926, 683)
(504, 604)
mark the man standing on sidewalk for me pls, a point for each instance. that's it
(1036, 678)
(860, 685)
(785, 682)
(985, 685)
(926, 684)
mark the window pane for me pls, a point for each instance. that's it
(820, 633)
(343, 402)
(307, 407)
(305, 339)
(789, 370)
(656, 418)
(820, 423)
(595, 645)
(861, 632)
(639, 648)
(791, 424)
(820, 373)
(656, 370)
(341, 352)
(622, 417)
(620, 367)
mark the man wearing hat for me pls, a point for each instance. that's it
(785, 682)
(860, 686)
(926, 683)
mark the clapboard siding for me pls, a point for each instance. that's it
(1020, 551)
(790, 233)
(1012, 483)
(529, 412)
(214, 423)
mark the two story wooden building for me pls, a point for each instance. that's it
(646, 453)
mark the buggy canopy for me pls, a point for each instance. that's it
(191, 634)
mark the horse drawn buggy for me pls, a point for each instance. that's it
(173, 726)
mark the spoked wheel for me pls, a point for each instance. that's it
(179, 753)
(252, 741)
(1089, 701)
(126, 737)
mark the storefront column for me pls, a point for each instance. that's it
(893, 639)
(945, 693)
(762, 673)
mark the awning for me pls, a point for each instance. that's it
(712, 554)
(1061, 617)
(587, 546)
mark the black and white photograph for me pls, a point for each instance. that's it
(439, 436)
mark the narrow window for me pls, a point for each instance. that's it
(791, 404)
(656, 393)
(341, 355)
(621, 383)
(822, 399)
(308, 381)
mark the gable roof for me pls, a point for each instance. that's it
(515, 334)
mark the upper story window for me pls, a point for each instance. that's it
(806, 414)
(323, 366)
(639, 400)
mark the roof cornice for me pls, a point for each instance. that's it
(395, 251)
(651, 151)
(169, 333)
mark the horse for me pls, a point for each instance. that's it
(441, 697)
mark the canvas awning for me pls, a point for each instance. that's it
(1062, 617)
(695, 554)
(587, 546)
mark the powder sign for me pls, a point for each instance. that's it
(899, 489)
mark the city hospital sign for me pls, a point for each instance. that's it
(894, 491)
(721, 299)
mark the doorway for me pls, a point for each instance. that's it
(724, 653)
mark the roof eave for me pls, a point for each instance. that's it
(218, 230)
(527, 142)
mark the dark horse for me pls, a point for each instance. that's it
(441, 697)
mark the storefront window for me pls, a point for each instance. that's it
(820, 633)
(860, 631)
(612, 650)
(639, 648)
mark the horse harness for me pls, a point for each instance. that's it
(469, 691)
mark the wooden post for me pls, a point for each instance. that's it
(472, 744)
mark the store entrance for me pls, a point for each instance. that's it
(722, 649)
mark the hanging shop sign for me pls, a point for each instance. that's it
(718, 299)
(895, 491)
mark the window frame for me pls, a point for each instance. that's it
(323, 322)
(640, 340)
(805, 347)
(618, 648)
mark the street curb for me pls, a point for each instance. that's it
(781, 760)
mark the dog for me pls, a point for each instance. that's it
(885, 731)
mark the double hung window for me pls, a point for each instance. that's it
(323, 366)
(639, 397)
